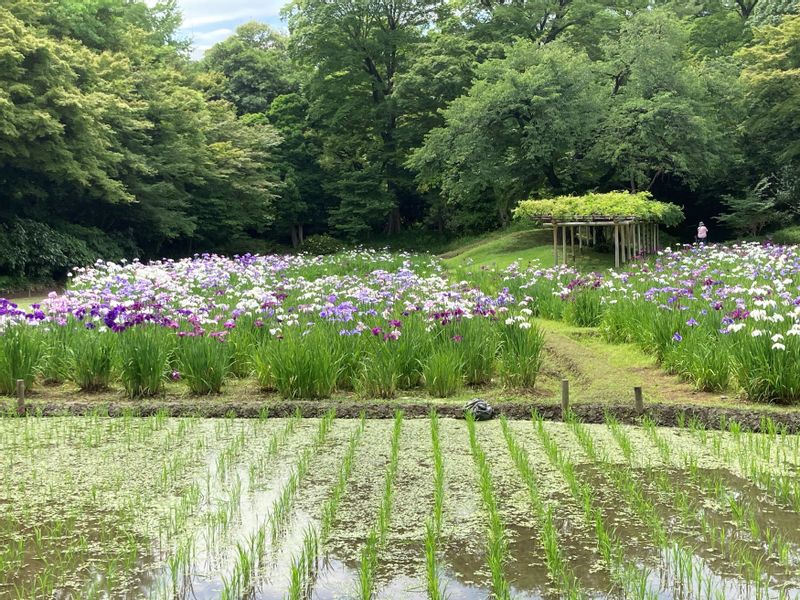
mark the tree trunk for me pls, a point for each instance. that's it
(295, 241)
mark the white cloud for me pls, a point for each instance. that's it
(197, 13)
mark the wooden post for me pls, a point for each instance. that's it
(594, 236)
(572, 241)
(658, 238)
(638, 401)
(624, 243)
(555, 244)
(564, 243)
(580, 240)
(564, 398)
(21, 396)
(616, 246)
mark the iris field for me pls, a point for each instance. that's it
(373, 323)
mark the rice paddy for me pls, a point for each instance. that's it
(330, 508)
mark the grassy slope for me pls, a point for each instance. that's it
(500, 249)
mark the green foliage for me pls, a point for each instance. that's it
(751, 213)
(443, 372)
(302, 365)
(773, 90)
(37, 251)
(322, 244)
(612, 204)
(144, 352)
(521, 354)
(787, 235)
(204, 362)
(91, 359)
(21, 352)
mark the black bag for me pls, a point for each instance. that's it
(480, 409)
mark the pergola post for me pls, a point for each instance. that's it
(555, 244)
(624, 242)
(564, 243)
(616, 245)
(594, 236)
(572, 241)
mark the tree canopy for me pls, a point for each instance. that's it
(367, 118)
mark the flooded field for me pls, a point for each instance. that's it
(330, 508)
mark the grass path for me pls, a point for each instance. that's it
(607, 373)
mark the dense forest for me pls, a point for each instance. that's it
(372, 117)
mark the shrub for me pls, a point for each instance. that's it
(443, 372)
(144, 353)
(521, 353)
(205, 362)
(787, 235)
(322, 244)
(20, 355)
(91, 359)
(37, 251)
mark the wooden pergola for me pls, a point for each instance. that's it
(632, 236)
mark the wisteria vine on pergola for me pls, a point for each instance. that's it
(635, 218)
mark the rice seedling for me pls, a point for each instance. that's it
(496, 544)
(748, 561)
(630, 578)
(303, 566)
(686, 567)
(377, 536)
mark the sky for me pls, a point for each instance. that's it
(207, 22)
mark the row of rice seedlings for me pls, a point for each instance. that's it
(218, 517)
(750, 564)
(497, 541)
(560, 572)
(771, 436)
(629, 577)
(250, 557)
(433, 525)
(784, 487)
(742, 513)
(377, 535)
(262, 465)
(304, 566)
(686, 567)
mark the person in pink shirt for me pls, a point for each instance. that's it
(702, 233)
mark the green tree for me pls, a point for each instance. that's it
(662, 121)
(525, 126)
(356, 51)
(256, 67)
